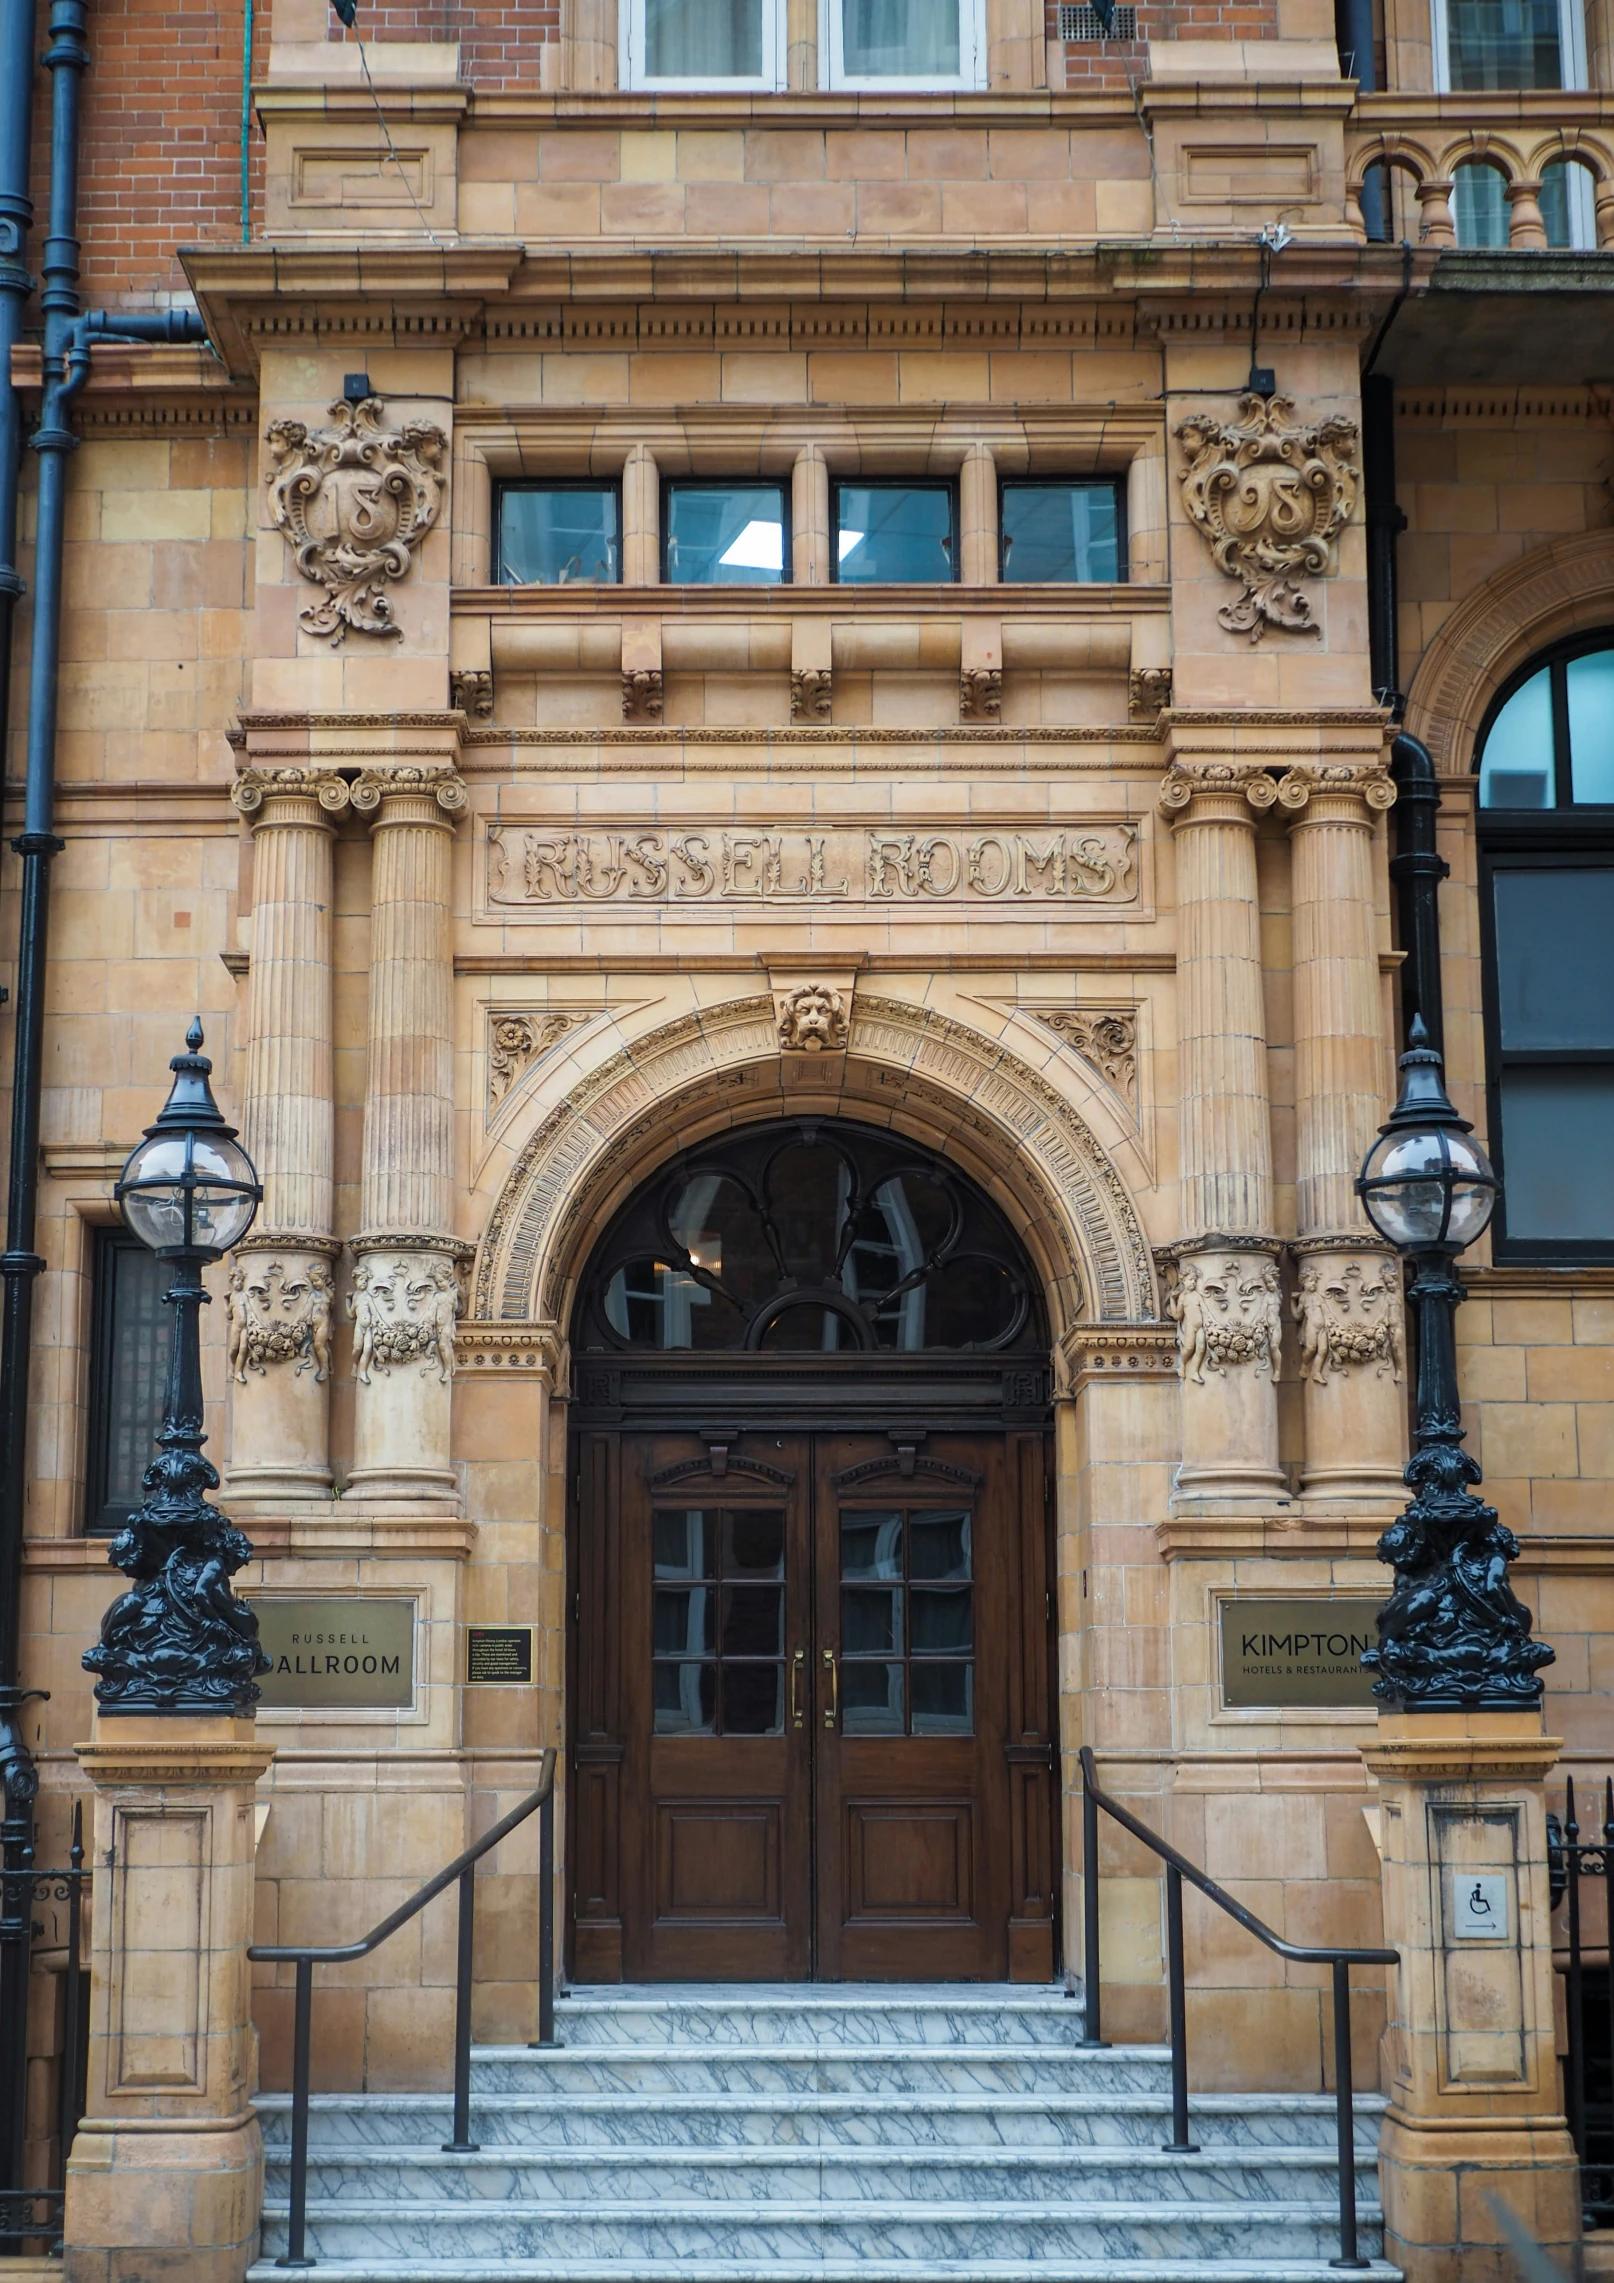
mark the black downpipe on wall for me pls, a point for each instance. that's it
(16, 290)
(1417, 867)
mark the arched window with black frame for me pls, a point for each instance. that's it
(1545, 762)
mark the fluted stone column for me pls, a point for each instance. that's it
(1347, 1300)
(1226, 1299)
(405, 1298)
(281, 1278)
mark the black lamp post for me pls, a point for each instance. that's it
(179, 1641)
(1453, 1636)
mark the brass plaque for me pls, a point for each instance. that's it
(498, 1653)
(337, 1653)
(1277, 1654)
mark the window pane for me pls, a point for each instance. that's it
(1556, 1156)
(703, 39)
(1566, 205)
(558, 537)
(725, 535)
(940, 1546)
(871, 1700)
(942, 1619)
(1516, 768)
(1478, 206)
(753, 1700)
(900, 39)
(871, 1545)
(684, 1545)
(1591, 726)
(135, 1344)
(1502, 43)
(753, 1620)
(896, 532)
(1555, 960)
(683, 1620)
(753, 1545)
(685, 1699)
(1069, 533)
(871, 1619)
(943, 1700)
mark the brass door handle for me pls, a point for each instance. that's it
(833, 1710)
(796, 1664)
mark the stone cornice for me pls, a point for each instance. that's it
(150, 391)
(345, 293)
(1486, 1754)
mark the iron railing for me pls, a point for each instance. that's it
(34, 2215)
(1179, 1868)
(1589, 2040)
(306, 1957)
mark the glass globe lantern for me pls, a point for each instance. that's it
(1426, 1185)
(189, 1186)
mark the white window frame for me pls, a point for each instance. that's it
(1571, 45)
(971, 73)
(631, 49)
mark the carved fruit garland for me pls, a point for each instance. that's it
(355, 500)
(1270, 497)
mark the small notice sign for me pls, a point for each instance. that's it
(1479, 1901)
(337, 1654)
(498, 1654)
(1282, 1654)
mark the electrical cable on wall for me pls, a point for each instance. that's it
(349, 12)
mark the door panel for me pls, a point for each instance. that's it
(809, 1736)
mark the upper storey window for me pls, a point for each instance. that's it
(704, 43)
(559, 535)
(894, 533)
(900, 43)
(725, 535)
(1063, 534)
(1508, 43)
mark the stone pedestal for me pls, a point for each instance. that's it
(166, 2172)
(1476, 2109)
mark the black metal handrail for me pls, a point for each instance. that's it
(1179, 1868)
(29, 2214)
(1570, 1860)
(305, 1957)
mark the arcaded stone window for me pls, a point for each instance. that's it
(1546, 789)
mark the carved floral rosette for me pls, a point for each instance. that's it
(1349, 1315)
(1227, 1307)
(278, 1307)
(1270, 495)
(355, 499)
(405, 1300)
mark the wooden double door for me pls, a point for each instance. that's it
(813, 1688)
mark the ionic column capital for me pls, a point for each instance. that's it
(293, 796)
(1336, 792)
(1216, 791)
(430, 793)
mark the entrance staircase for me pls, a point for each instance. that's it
(768, 2135)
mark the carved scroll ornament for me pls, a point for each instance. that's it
(1348, 1317)
(1106, 1037)
(515, 1043)
(1227, 1311)
(279, 1311)
(1270, 497)
(355, 500)
(404, 1307)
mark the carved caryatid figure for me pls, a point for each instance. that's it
(1226, 1309)
(1346, 1319)
(279, 1311)
(404, 1307)
(1270, 496)
(356, 499)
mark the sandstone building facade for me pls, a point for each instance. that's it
(751, 685)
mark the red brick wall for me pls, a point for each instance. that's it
(1120, 63)
(499, 40)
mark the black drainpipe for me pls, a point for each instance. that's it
(1417, 867)
(16, 289)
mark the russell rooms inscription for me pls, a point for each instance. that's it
(1087, 864)
(337, 1654)
(1297, 1653)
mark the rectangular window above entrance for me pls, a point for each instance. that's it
(1480, 44)
(128, 1366)
(704, 43)
(725, 535)
(559, 535)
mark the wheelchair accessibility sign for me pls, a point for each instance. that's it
(1479, 1905)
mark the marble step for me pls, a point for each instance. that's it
(855, 2231)
(646, 2069)
(985, 2178)
(822, 2120)
(855, 2015)
(1103, 2270)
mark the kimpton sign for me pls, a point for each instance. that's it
(1282, 1655)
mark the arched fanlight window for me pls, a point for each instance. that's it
(1546, 790)
(814, 1236)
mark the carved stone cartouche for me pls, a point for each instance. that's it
(1349, 1318)
(279, 1311)
(1226, 1310)
(404, 1306)
(1453, 1634)
(1270, 495)
(355, 499)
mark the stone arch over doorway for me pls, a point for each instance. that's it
(1562, 589)
(935, 1079)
